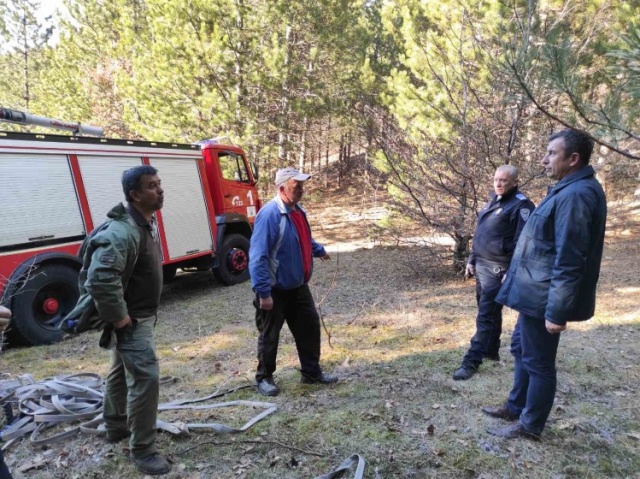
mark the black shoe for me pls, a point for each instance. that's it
(501, 412)
(267, 387)
(462, 373)
(153, 464)
(492, 357)
(322, 379)
(117, 436)
(514, 431)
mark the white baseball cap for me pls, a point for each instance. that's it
(285, 174)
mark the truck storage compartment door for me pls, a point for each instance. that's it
(102, 177)
(184, 215)
(38, 201)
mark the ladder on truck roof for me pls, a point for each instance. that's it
(23, 118)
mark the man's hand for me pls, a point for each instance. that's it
(123, 322)
(554, 328)
(5, 312)
(470, 270)
(326, 257)
(5, 316)
(266, 303)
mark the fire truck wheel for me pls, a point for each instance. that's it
(44, 300)
(233, 265)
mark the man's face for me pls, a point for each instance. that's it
(503, 182)
(150, 197)
(557, 164)
(293, 190)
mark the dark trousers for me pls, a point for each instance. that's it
(534, 376)
(133, 387)
(486, 340)
(297, 308)
(4, 470)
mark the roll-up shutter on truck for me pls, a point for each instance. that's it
(102, 176)
(43, 188)
(184, 213)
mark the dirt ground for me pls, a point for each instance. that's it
(399, 325)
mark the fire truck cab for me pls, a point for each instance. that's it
(54, 189)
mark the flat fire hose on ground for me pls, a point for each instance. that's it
(79, 397)
(346, 465)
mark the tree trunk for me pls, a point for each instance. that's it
(27, 96)
(340, 159)
(283, 152)
(460, 252)
(303, 145)
(326, 155)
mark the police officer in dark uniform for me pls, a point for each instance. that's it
(499, 225)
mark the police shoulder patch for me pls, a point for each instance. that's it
(524, 213)
(520, 196)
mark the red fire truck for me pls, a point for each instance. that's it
(54, 189)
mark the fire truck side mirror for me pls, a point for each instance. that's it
(254, 171)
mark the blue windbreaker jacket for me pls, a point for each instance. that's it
(275, 257)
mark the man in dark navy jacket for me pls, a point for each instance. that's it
(552, 280)
(499, 225)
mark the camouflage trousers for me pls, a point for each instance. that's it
(132, 387)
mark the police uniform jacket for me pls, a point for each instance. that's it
(499, 225)
(556, 263)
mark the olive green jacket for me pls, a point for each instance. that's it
(109, 255)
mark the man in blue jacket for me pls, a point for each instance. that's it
(499, 225)
(280, 264)
(552, 280)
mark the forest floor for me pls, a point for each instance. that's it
(399, 325)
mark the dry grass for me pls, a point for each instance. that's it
(397, 338)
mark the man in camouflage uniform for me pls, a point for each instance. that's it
(122, 264)
(5, 316)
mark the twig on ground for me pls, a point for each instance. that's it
(326, 295)
(324, 326)
(231, 443)
(358, 313)
(361, 310)
(600, 354)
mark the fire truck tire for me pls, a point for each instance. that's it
(42, 302)
(233, 267)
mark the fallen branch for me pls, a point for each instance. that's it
(231, 443)
(326, 295)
